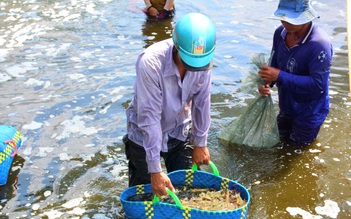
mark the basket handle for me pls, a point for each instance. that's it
(173, 195)
(14, 145)
(212, 165)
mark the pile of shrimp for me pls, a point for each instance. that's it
(208, 199)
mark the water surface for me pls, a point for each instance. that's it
(66, 77)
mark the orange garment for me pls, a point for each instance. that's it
(160, 4)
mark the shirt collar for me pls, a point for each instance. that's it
(169, 69)
(284, 32)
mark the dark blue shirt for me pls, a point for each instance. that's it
(303, 82)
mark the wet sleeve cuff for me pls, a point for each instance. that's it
(154, 166)
(199, 141)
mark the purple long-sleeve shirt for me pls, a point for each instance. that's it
(164, 106)
(303, 82)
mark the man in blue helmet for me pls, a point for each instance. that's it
(300, 67)
(169, 115)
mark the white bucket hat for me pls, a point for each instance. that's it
(295, 12)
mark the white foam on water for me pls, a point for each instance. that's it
(109, 161)
(118, 90)
(121, 37)
(10, 18)
(44, 151)
(72, 203)
(294, 211)
(14, 168)
(27, 151)
(100, 216)
(76, 125)
(78, 77)
(64, 157)
(18, 98)
(54, 51)
(35, 207)
(16, 71)
(89, 145)
(330, 209)
(86, 55)
(46, 98)
(319, 159)
(77, 211)
(47, 193)
(33, 125)
(252, 37)
(63, 13)
(87, 157)
(76, 59)
(33, 82)
(72, 17)
(3, 52)
(313, 151)
(104, 110)
(332, 92)
(4, 77)
(117, 169)
(90, 8)
(53, 214)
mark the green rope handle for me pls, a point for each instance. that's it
(174, 196)
(212, 165)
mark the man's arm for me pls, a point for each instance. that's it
(201, 120)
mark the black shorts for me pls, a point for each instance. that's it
(178, 157)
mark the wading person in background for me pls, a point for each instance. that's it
(301, 58)
(159, 8)
(169, 115)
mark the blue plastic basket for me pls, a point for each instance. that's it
(10, 141)
(155, 209)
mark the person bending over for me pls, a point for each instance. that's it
(169, 115)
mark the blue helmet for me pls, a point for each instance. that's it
(194, 36)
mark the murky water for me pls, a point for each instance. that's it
(66, 76)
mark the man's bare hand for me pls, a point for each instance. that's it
(159, 182)
(269, 73)
(264, 90)
(201, 155)
(153, 12)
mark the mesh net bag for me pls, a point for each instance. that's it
(257, 126)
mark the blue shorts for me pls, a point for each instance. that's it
(294, 133)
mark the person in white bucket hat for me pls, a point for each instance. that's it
(301, 58)
(295, 12)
